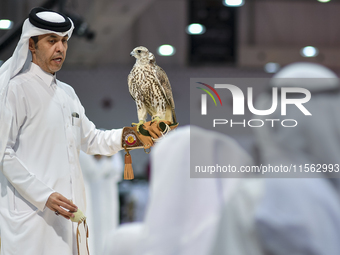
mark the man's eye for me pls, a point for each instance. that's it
(51, 41)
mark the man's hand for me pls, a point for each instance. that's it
(57, 202)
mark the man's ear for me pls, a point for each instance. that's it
(31, 45)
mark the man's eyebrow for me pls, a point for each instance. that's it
(56, 37)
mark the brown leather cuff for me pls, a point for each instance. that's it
(131, 139)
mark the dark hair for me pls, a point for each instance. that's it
(35, 40)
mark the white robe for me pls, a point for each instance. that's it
(41, 157)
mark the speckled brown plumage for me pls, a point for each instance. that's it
(149, 86)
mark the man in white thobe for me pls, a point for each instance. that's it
(43, 128)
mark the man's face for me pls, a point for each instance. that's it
(49, 52)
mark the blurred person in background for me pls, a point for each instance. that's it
(315, 139)
(101, 177)
(135, 201)
(280, 216)
(182, 213)
(124, 240)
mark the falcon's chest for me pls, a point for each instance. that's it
(144, 79)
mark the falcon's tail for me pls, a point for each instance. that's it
(170, 114)
(174, 119)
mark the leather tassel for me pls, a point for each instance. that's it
(128, 171)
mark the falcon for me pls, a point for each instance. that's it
(150, 87)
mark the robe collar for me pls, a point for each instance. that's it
(47, 78)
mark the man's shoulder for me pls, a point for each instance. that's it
(15, 84)
(66, 87)
(20, 79)
(18, 83)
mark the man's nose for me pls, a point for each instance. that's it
(60, 46)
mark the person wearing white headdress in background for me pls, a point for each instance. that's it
(43, 128)
(315, 138)
(280, 216)
(182, 214)
(101, 177)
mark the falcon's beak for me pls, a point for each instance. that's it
(132, 53)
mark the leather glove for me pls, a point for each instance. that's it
(147, 135)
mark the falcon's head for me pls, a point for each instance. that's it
(152, 58)
(140, 53)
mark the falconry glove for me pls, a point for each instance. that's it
(148, 133)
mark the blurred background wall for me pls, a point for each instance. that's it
(238, 42)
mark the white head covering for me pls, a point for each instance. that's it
(316, 138)
(18, 63)
(281, 216)
(183, 212)
(311, 76)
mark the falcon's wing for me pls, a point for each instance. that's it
(131, 83)
(165, 85)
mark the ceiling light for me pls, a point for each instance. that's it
(195, 29)
(6, 24)
(309, 52)
(233, 3)
(272, 67)
(166, 50)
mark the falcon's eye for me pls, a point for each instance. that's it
(139, 51)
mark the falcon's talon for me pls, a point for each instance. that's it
(157, 119)
(140, 123)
